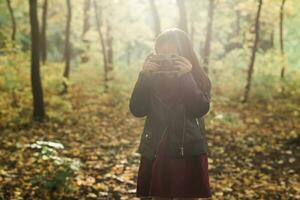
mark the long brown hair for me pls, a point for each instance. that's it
(185, 49)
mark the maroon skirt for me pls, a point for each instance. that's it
(173, 177)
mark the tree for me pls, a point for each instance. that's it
(109, 43)
(193, 9)
(99, 23)
(156, 19)
(128, 53)
(67, 52)
(86, 18)
(36, 84)
(238, 22)
(192, 26)
(13, 20)
(183, 24)
(86, 26)
(282, 38)
(254, 48)
(272, 34)
(44, 32)
(209, 32)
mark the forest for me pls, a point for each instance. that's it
(67, 70)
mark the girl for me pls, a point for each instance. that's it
(173, 144)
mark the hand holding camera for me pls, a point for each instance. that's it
(183, 64)
(167, 63)
(149, 65)
(164, 70)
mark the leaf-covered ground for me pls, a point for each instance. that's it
(253, 153)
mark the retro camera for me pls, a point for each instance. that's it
(165, 61)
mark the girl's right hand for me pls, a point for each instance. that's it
(148, 65)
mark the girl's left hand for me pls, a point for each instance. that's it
(183, 64)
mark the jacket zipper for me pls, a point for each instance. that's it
(197, 122)
(182, 139)
(165, 130)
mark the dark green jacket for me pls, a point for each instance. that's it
(174, 106)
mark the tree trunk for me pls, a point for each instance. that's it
(13, 20)
(86, 26)
(155, 16)
(36, 84)
(192, 14)
(109, 44)
(282, 39)
(13, 39)
(98, 15)
(67, 45)
(238, 22)
(86, 18)
(128, 55)
(209, 32)
(254, 48)
(192, 34)
(44, 32)
(183, 24)
(272, 34)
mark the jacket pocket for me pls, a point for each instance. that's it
(147, 135)
(201, 125)
(145, 141)
(193, 132)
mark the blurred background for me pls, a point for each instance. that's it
(67, 70)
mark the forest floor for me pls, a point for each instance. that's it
(252, 151)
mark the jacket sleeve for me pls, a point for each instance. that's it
(197, 103)
(140, 97)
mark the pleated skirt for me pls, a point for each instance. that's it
(173, 177)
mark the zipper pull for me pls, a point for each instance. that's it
(181, 150)
(183, 131)
(197, 121)
(155, 154)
